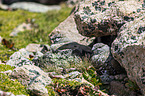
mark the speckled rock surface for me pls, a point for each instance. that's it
(72, 3)
(129, 50)
(20, 58)
(63, 58)
(33, 77)
(67, 32)
(100, 54)
(97, 18)
(37, 47)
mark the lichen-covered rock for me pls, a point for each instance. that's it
(104, 17)
(37, 47)
(129, 50)
(67, 32)
(100, 54)
(77, 49)
(20, 58)
(33, 77)
(61, 59)
(72, 3)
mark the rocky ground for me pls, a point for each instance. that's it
(77, 48)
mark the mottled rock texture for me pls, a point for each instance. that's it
(20, 58)
(96, 18)
(129, 50)
(67, 32)
(100, 54)
(33, 77)
(72, 3)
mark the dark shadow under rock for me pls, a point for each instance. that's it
(77, 49)
(104, 39)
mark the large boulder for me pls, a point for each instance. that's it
(33, 77)
(129, 50)
(67, 32)
(96, 18)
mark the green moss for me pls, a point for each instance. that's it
(5, 67)
(46, 22)
(7, 85)
(10, 20)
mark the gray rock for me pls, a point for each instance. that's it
(34, 7)
(1, 39)
(118, 89)
(77, 49)
(129, 50)
(106, 79)
(37, 47)
(104, 17)
(8, 72)
(2, 93)
(72, 75)
(72, 3)
(20, 28)
(67, 32)
(20, 58)
(33, 77)
(100, 54)
(62, 59)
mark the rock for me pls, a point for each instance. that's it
(120, 77)
(34, 7)
(67, 32)
(3, 7)
(104, 17)
(100, 54)
(33, 77)
(54, 47)
(20, 58)
(1, 39)
(118, 89)
(129, 50)
(62, 59)
(20, 28)
(72, 3)
(37, 47)
(77, 49)
(72, 75)
(8, 72)
(2, 93)
(106, 79)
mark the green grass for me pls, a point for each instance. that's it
(46, 22)
(10, 20)
(7, 85)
